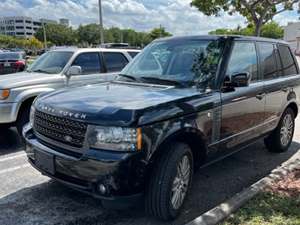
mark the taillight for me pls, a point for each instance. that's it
(19, 64)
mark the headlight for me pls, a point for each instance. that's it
(115, 138)
(4, 94)
(31, 116)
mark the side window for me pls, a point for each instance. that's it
(114, 61)
(89, 62)
(268, 60)
(243, 59)
(289, 67)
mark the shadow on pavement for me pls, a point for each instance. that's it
(52, 203)
(9, 141)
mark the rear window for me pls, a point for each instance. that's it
(114, 61)
(288, 63)
(268, 60)
(133, 54)
(4, 56)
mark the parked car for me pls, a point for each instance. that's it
(181, 103)
(12, 62)
(53, 70)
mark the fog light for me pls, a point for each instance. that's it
(102, 188)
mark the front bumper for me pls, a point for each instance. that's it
(8, 112)
(122, 174)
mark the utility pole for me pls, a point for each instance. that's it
(101, 23)
(45, 36)
(160, 30)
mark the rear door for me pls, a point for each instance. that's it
(114, 61)
(242, 107)
(277, 65)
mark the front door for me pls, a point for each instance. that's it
(242, 107)
(91, 66)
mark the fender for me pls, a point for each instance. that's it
(169, 130)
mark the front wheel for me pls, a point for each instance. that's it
(23, 119)
(170, 182)
(281, 138)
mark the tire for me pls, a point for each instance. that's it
(159, 194)
(23, 118)
(281, 138)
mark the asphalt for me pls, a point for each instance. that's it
(27, 197)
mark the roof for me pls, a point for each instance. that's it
(216, 37)
(73, 49)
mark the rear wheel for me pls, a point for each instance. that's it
(281, 138)
(170, 182)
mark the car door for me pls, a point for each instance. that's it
(242, 107)
(279, 86)
(114, 61)
(91, 66)
(271, 68)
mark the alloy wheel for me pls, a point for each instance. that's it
(286, 131)
(181, 182)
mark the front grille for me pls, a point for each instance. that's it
(60, 129)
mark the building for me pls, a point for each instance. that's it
(64, 22)
(292, 35)
(22, 26)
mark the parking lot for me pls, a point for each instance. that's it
(27, 197)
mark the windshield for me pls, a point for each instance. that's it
(5, 56)
(182, 61)
(51, 62)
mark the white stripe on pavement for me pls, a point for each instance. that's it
(12, 157)
(15, 168)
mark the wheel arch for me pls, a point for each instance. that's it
(294, 107)
(25, 103)
(194, 138)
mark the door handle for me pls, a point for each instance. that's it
(260, 96)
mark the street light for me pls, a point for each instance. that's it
(101, 23)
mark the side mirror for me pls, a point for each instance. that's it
(73, 71)
(238, 80)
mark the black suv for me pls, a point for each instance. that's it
(179, 104)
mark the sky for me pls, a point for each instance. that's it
(177, 16)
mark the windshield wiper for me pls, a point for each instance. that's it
(163, 81)
(128, 77)
(40, 71)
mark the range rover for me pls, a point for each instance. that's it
(181, 103)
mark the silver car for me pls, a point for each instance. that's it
(53, 70)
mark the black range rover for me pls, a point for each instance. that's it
(179, 104)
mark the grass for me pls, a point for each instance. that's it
(268, 209)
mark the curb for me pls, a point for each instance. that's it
(222, 211)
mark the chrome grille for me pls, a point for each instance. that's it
(59, 129)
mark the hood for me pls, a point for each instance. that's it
(111, 103)
(26, 78)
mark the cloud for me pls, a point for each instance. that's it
(176, 15)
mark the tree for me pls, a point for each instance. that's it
(159, 33)
(257, 12)
(269, 30)
(57, 34)
(14, 42)
(33, 44)
(89, 34)
(272, 30)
